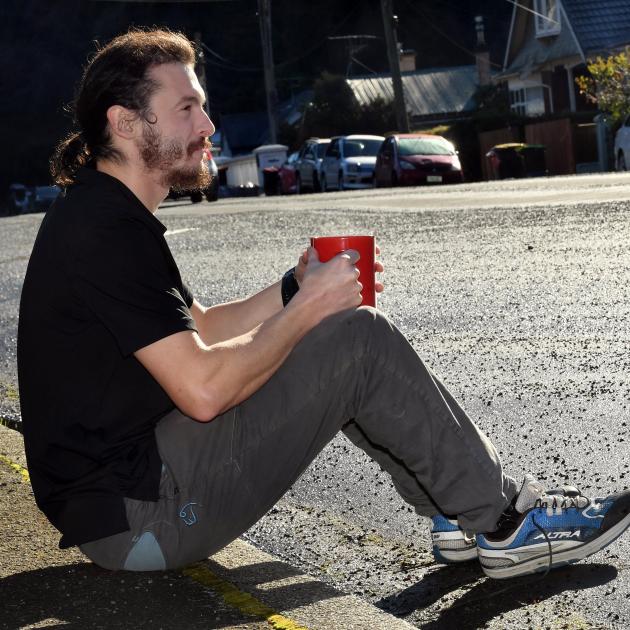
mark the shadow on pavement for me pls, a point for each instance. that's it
(82, 595)
(488, 599)
(432, 587)
(292, 590)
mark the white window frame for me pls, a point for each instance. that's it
(518, 101)
(527, 96)
(547, 10)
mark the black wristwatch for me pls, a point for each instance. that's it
(289, 286)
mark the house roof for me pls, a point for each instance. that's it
(599, 25)
(527, 53)
(588, 27)
(429, 92)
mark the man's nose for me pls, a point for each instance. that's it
(206, 128)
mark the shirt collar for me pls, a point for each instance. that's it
(92, 177)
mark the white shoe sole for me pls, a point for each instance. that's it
(450, 556)
(541, 563)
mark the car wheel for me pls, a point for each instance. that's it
(298, 185)
(323, 183)
(394, 179)
(621, 162)
(196, 196)
(316, 185)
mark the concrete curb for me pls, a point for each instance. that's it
(241, 583)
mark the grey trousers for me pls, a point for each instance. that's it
(354, 372)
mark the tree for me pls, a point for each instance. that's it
(334, 108)
(336, 111)
(493, 105)
(608, 84)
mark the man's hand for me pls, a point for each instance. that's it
(327, 288)
(240, 345)
(300, 268)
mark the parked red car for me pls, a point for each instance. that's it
(287, 181)
(418, 158)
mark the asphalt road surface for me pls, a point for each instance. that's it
(518, 294)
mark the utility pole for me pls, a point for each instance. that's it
(264, 17)
(391, 41)
(200, 70)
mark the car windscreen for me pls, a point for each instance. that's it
(354, 148)
(424, 146)
(321, 149)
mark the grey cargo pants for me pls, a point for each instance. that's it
(354, 372)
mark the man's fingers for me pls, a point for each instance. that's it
(311, 255)
(352, 255)
(378, 267)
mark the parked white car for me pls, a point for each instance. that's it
(622, 146)
(308, 164)
(349, 162)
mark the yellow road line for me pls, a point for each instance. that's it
(244, 602)
(25, 476)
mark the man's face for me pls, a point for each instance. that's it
(173, 146)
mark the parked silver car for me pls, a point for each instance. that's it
(308, 164)
(349, 162)
(622, 146)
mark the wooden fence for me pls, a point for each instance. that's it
(567, 144)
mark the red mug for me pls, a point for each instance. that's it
(329, 246)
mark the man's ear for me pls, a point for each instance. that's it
(122, 122)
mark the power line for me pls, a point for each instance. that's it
(447, 36)
(227, 64)
(355, 60)
(230, 65)
(541, 15)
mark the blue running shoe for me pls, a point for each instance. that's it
(546, 530)
(450, 543)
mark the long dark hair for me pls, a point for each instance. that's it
(116, 75)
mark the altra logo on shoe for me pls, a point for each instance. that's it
(558, 535)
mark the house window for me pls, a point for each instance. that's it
(527, 100)
(518, 101)
(547, 17)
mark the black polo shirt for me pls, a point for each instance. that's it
(101, 283)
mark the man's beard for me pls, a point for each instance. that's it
(160, 154)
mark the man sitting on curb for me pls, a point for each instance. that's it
(158, 430)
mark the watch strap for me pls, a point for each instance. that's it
(289, 286)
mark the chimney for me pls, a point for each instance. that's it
(482, 54)
(407, 59)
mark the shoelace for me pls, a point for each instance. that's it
(556, 503)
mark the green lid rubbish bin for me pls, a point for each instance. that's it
(271, 177)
